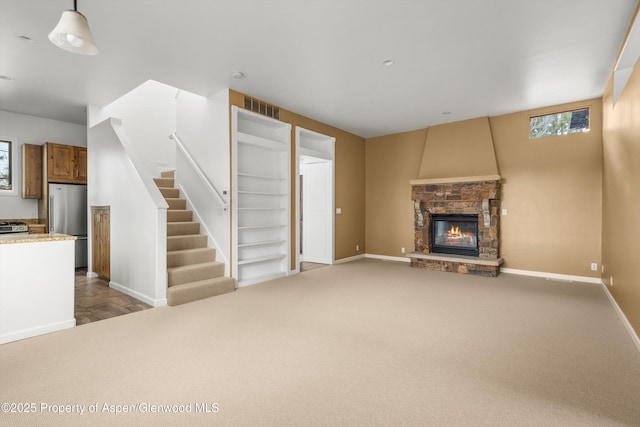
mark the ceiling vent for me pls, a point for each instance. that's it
(261, 107)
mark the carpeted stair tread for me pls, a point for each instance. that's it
(182, 228)
(179, 215)
(176, 203)
(169, 193)
(188, 292)
(194, 272)
(190, 256)
(164, 182)
(189, 241)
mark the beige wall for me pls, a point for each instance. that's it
(459, 149)
(391, 162)
(551, 190)
(552, 193)
(621, 201)
(349, 181)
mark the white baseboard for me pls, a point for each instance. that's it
(388, 258)
(553, 276)
(632, 333)
(138, 295)
(39, 330)
(351, 258)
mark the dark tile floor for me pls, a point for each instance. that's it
(95, 300)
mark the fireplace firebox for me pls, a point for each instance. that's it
(454, 234)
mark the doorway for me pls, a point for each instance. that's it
(315, 201)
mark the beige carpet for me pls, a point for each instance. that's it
(358, 344)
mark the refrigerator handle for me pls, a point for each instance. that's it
(51, 230)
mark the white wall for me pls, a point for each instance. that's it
(202, 124)
(138, 213)
(33, 130)
(148, 116)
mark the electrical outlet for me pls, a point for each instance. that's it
(402, 250)
(594, 266)
(504, 212)
(611, 281)
(357, 247)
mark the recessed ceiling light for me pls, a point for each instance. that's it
(24, 38)
(388, 62)
(8, 78)
(237, 75)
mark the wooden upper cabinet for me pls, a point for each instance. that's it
(66, 163)
(31, 171)
(81, 164)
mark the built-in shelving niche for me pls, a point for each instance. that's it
(261, 173)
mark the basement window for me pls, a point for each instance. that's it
(559, 123)
(6, 170)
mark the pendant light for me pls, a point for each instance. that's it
(73, 34)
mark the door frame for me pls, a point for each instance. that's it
(317, 145)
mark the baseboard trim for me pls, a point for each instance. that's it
(553, 276)
(632, 333)
(349, 259)
(388, 258)
(137, 295)
(39, 330)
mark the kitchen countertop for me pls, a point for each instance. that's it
(31, 238)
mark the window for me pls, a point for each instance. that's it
(5, 165)
(559, 123)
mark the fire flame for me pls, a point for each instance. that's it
(454, 232)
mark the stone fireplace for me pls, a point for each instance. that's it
(457, 224)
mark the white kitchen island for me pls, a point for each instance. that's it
(37, 275)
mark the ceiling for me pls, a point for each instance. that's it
(454, 60)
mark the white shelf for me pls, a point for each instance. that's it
(248, 175)
(261, 209)
(259, 193)
(260, 175)
(261, 142)
(264, 243)
(261, 259)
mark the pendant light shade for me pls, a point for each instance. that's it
(73, 34)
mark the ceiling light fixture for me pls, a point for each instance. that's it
(237, 75)
(73, 34)
(388, 62)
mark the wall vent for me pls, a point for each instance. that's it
(261, 107)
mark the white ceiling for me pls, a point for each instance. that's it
(321, 58)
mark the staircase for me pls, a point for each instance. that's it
(192, 270)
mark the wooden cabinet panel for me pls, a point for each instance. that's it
(31, 171)
(101, 241)
(81, 164)
(66, 163)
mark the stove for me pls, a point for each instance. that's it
(13, 227)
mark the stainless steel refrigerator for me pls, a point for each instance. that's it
(68, 215)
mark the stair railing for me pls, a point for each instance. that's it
(196, 167)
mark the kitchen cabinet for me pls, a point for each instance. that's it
(100, 241)
(31, 171)
(65, 163)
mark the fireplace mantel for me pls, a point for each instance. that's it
(454, 180)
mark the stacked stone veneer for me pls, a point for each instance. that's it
(458, 198)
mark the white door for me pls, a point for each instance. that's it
(317, 207)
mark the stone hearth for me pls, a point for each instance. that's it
(469, 196)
